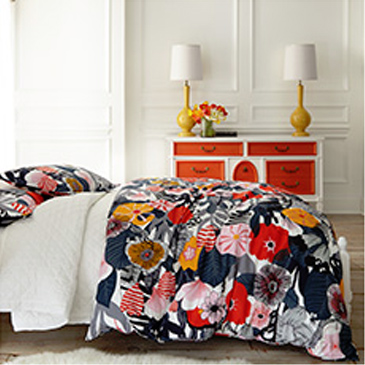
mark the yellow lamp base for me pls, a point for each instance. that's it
(300, 134)
(300, 120)
(186, 123)
(186, 134)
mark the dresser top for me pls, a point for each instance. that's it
(246, 138)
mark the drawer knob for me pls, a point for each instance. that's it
(290, 186)
(283, 168)
(245, 169)
(207, 149)
(200, 171)
(286, 149)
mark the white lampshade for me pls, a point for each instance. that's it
(300, 62)
(186, 63)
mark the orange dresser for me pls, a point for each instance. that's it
(291, 163)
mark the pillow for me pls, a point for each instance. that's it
(55, 180)
(16, 203)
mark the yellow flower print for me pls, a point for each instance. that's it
(75, 185)
(133, 212)
(205, 186)
(146, 254)
(300, 216)
(189, 257)
(164, 182)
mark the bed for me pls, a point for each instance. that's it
(171, 259)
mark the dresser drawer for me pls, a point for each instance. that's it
(245, 171)
(208, 149)
(282, 148)
(295, 176)
(209, 169)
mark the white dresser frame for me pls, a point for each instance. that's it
(259, 161)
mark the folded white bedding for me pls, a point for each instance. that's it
(49, 262)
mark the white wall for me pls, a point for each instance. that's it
(69, 66)
(243, 45)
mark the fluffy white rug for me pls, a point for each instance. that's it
(92, 356)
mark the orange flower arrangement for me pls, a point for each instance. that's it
(211, 112)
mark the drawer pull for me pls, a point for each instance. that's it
(208, 150)
(283, 168)
(200, 171)
(286, 149)
(290, 186)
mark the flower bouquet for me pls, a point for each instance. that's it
(205, 114)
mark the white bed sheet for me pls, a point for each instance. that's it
(49, 262)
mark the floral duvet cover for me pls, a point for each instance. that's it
(186, 259)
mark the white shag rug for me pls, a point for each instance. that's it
(93, 356)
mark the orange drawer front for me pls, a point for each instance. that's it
(208, 149)
(245, 171)
(210, 169)
(295, 176)
(282, 148)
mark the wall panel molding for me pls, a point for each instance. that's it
(69, 62)
(333, 79)
(323, 116)
(221, 68)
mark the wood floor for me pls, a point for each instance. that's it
(72, 337)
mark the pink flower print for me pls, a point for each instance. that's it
(271, 284)
(213, 308)
(154, 188)
(234, 239)
(189, 253)
(260, 315)
(47, 169)
(138, 196)
(179, 190)
(115, 227)
(163, 205)
(328, 347)
(105, 269)
(29, 201)
(336, 302)
(192, 294)
(156, 305)
(41, 180)
(174, 306)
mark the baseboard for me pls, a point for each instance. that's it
(344, 206)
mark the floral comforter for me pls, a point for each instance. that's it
(186, 259)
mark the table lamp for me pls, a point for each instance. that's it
(300, 64)
(186, 65)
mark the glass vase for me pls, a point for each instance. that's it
(207, 129)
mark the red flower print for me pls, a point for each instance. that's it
(42, 181)
(132, 301)
(246, 195)
(180, 215)
(195, 318)
(270, 240)
(238, 305)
